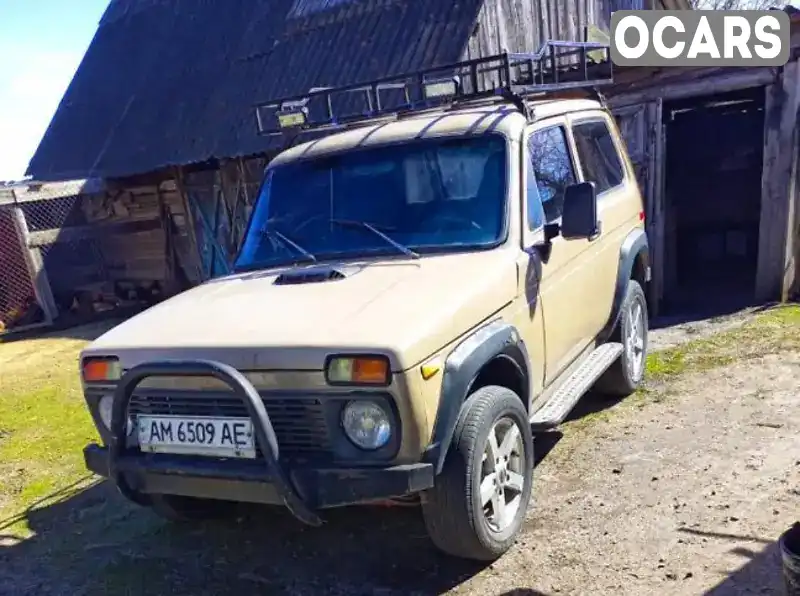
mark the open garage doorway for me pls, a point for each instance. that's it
(712, 199)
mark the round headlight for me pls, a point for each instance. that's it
(105, 408)
(366, 424)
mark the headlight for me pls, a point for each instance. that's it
(99, 369)
(366, 424)
(105, 407)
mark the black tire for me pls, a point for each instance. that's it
(177, 508)
(621, 379)
(452, 509)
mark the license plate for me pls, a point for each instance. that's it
(215, 437)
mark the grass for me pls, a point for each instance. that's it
(772, 331)
(44, 424)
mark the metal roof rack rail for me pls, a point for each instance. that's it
(558, 66)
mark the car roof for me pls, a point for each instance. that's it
(502, 117)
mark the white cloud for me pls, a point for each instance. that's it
(31, 86)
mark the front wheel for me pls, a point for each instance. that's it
(480, 499)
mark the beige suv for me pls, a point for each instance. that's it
(417, 294)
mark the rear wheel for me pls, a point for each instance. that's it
(626, 374)
(178, 508)
(480, 499)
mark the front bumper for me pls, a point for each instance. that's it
(302, 490)
(250, 481)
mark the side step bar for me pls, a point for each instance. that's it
(566, 397)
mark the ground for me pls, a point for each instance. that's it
(682, 488)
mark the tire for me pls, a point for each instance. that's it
(627, 373)
(453, 509)
(177, 508)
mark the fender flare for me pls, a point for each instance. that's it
(461, 368)
(634, 246)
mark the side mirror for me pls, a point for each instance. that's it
(579, 213)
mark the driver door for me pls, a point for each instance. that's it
(548, 170)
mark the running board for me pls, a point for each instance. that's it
(566, 397)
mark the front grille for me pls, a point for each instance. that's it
(299, 422)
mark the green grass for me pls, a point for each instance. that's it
(43, 420)
(775, 330)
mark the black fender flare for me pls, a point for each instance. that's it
(634, 246)
(461, 367)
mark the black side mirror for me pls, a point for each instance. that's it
(579, 213)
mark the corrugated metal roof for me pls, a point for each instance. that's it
(172, 82)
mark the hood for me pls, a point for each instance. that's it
(291, 319)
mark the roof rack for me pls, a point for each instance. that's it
(556, 67)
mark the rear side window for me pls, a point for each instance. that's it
(600, 161)
(552, 168)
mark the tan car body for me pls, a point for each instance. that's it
(412, 310)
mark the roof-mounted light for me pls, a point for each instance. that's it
(437, 88)
(293, 117)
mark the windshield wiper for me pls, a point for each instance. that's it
(273, 233)
(367, 226)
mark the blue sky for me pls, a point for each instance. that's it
(41, 44)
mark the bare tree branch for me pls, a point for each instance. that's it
(735, 4)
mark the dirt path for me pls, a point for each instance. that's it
(671, 498)
(682, 490)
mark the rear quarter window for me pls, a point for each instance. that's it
(600, 161)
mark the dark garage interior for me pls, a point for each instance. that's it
(714, 161)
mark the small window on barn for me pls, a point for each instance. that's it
(552, 169)
(305, 8)
(598, 155)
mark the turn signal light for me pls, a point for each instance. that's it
(99, 369)
(358, 370)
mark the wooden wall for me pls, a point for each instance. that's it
(93, 250)
(523, 26)
(779, 233)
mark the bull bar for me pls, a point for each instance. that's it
(241, 386)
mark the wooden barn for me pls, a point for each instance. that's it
(161, 107)
(716, 151)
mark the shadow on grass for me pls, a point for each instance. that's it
(72, 328)
(593, 403)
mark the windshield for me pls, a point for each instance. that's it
(404, 199)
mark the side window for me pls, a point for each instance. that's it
(535, 209)
(552, 168)
(599, 158)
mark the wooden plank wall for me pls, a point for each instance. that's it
(107, 247)
(221, 200)
(523, 26)
(777, 268)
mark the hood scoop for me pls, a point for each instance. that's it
(312, 275)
